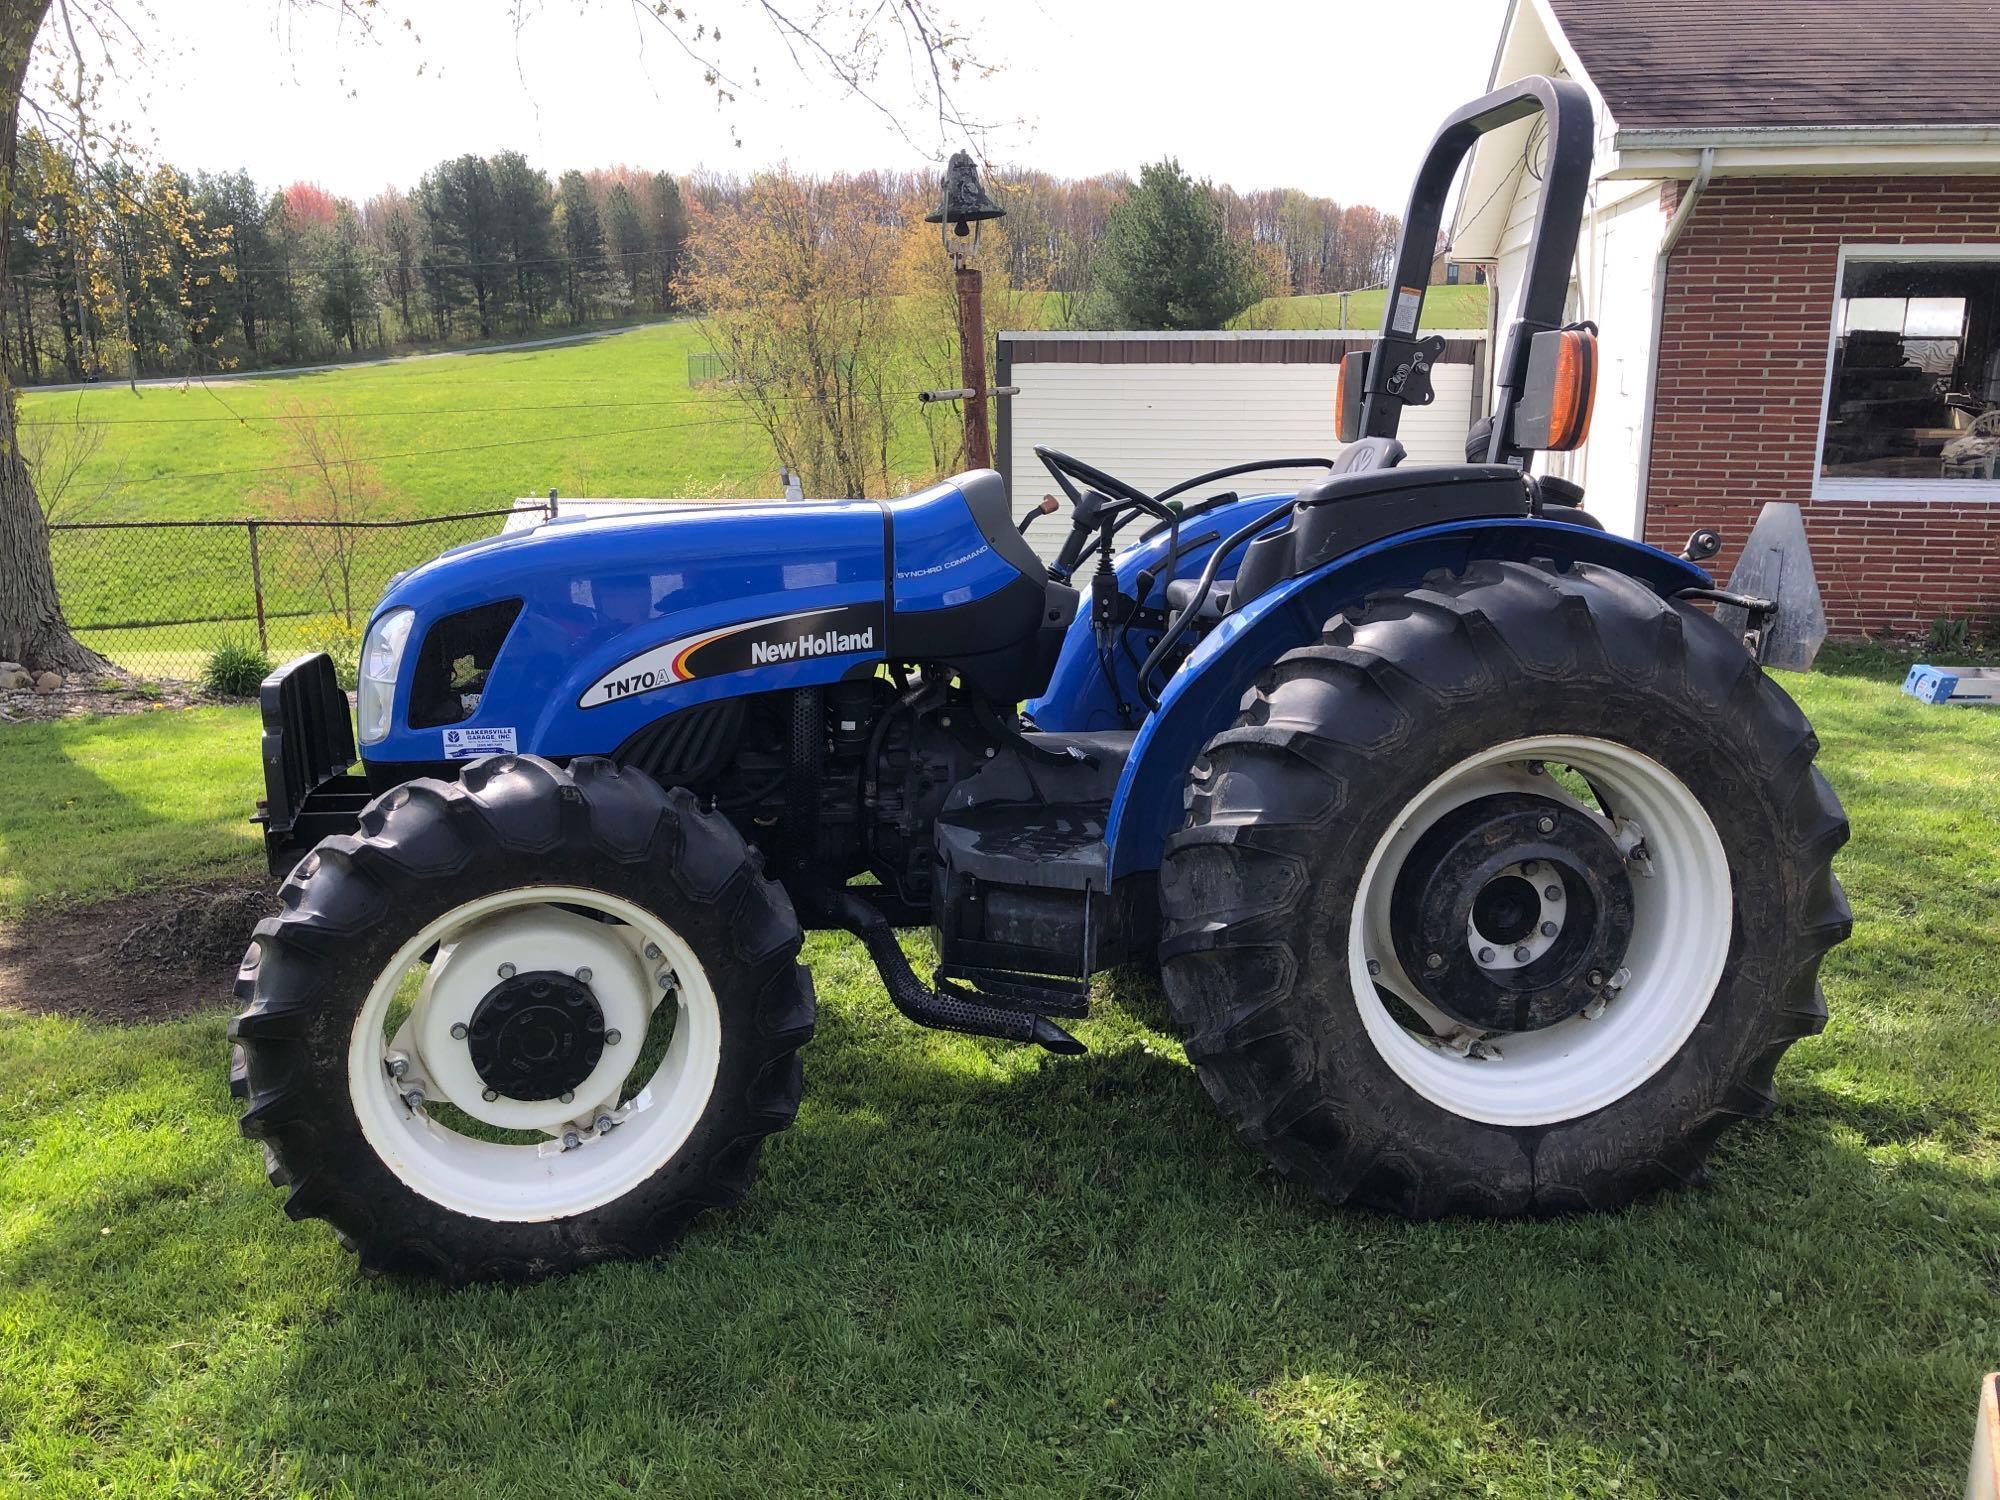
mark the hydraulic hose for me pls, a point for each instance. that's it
(1202, 585)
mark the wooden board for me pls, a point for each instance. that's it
(1982, 1481)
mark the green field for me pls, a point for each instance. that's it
(975, 1269)
(466, 432)
(1444, 307)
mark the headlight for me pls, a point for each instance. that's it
(381, 656)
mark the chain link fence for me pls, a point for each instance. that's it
(159, 597)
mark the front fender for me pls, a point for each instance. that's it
(1205, 695)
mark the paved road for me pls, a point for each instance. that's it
(352, 364)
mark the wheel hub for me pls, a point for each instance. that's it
(537, 1035)
(1512, 912)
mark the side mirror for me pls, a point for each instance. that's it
(1552, 414)
(1347, 392)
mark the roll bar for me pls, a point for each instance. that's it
(1399, 370)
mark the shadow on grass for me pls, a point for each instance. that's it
(109, 805)
(972, 1269)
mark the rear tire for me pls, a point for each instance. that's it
(1268, 945)
(599, 856)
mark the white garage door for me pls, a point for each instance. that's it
(1157, 424)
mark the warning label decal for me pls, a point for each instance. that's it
(1409, 302)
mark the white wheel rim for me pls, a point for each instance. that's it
(1682, 914)
(579, 1167)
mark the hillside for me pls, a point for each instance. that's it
(1444, 307)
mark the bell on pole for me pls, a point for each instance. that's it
(964, 203)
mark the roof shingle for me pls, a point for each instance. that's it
(1721, 64)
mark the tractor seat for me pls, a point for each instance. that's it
(1269, 558)
(1357, 458)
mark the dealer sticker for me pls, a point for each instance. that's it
(465, 744)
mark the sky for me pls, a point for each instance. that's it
(1337, 97)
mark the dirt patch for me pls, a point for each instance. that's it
(147, 957)
(104, 695)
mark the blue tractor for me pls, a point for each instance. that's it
(1484, 869)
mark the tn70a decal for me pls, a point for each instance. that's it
(776, 641)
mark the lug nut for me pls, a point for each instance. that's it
(507, 971)
(665, 979)
(1549, 929)
(398, 1066)
(489, 1095)
(653, 950)
(1434, 961)
(569, 1096)
(458, 1031)
(613, 1037)
(1531, 867)
(1522, 955)
(1486, 955)
(414, 1098)
(604, 1123)
(1546, 823)
(571, 1140)
(1374, 966)
(1552, 893)
(583, 975)
(1594, 978)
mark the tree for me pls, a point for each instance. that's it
(796, 282)
(1168, 260)
(524, 217)
(245, 291)
(32, 628)
(462, 212)
(627, 236)
(666, 219)
(582, 235)
(392, 233)
(345, 271)
(323, 479)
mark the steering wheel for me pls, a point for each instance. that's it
(1086, 514)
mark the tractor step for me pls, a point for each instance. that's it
(1008, 989)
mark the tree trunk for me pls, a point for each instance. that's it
(32, 629)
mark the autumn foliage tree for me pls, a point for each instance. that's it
(796, 280)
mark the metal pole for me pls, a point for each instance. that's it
(972, 364)
(257, 587)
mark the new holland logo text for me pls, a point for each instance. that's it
(831, 643)
(805, 636)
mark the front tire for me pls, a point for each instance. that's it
(1386, 1062)
(522, 1022)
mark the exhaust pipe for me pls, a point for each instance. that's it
(917, 1000)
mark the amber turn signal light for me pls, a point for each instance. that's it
(1559, 392)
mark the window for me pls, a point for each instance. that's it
(1913, 381)
(1451, 273)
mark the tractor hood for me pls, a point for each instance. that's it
(604, 624)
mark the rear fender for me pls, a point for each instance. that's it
(1205, 695)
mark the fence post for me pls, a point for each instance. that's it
(257, 588)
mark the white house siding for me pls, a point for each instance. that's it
(1157, 424)
(1611, 283)
(1620, 245)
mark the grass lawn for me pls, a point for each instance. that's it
(612, 416)
(1444, 307)
(974, 1268)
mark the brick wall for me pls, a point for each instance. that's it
(1743, 356)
